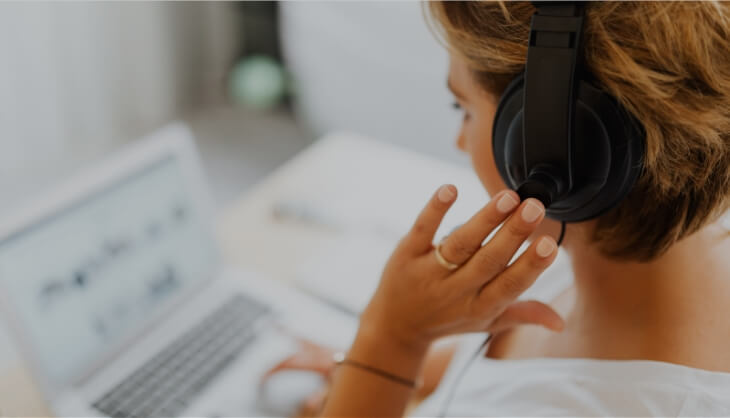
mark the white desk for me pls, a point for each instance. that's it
(370, 189)
(361, 187)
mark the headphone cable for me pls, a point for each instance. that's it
(482, 346)
(562, 233)
(460, 375)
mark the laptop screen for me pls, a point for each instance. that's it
(86, 277)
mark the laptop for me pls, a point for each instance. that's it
(121, 305)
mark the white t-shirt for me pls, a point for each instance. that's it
(574, 387)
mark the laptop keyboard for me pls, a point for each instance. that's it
(166, 384)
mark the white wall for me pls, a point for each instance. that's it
(78, 78)
(371, 67)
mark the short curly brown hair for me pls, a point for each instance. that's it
(668, 63)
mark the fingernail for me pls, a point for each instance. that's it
(446, 193)
(506, 203)
(531, 211)
(545, 247)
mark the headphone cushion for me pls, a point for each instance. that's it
(606, 151)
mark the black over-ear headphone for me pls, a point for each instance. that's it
(556, 136)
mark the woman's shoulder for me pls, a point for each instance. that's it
(531, 341)
(548, 387)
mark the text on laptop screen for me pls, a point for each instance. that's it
(86, 277)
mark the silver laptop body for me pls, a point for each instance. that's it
(121, 306)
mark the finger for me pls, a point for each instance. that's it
(313, 404)
(282, 365)
(313, 362)
(461, 244)
(419, 239)
(286, 364)
(496, 254)
(528, 312)
(519, 276)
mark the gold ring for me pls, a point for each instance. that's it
(448, 265)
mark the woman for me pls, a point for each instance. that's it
(644, 326)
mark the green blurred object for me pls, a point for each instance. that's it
(258, 81)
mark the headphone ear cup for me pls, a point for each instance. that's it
(608, 155)
(507, 133)
(606, 152)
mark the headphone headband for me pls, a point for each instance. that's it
(551, 81)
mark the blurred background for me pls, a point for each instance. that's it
(257, 82)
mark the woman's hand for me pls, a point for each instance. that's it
(310, 357)
(319, 359)
(419, 299)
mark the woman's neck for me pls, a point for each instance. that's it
(675, 308)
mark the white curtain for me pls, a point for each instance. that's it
(76, 79)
